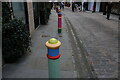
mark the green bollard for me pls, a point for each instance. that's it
(53, 57)
(54, 69)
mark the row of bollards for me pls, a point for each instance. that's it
(53, 51)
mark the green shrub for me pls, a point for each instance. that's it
(15, 40)
(7, 12)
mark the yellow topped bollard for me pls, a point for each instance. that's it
(53, 57)
(53, 48)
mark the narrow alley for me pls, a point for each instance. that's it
(89, 40)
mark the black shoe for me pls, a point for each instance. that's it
(107, 18)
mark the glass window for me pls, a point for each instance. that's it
(18, 9)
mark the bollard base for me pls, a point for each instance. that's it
(59, 30)
(54, 68)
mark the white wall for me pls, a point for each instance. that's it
(31, 16)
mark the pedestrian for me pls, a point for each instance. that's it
(105, 9)
(73, 6)
(80, 7)
(62, 5)
(76, 7)
(109, 7)
(56, 9)
(84, 6)
(51, 5)
(55, 6)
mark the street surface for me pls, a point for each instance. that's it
(98, 39)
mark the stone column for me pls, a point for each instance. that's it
(30, 16)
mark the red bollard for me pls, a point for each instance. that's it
(59, 22)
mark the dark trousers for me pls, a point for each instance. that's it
(62, 6)
(73, 9)
(108, 15)
(104, 13)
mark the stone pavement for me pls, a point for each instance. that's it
(35, 64)
(98, 39)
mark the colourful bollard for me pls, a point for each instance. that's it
(53, 57)
(59, 22)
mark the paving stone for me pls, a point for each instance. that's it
(99, 37)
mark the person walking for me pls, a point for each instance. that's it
(80, 7)
(84, 6)
(51, 5)
(109, 7)
(76, 7)
(105, 9)
(62, 5)
(73, 6)
(54, 6)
